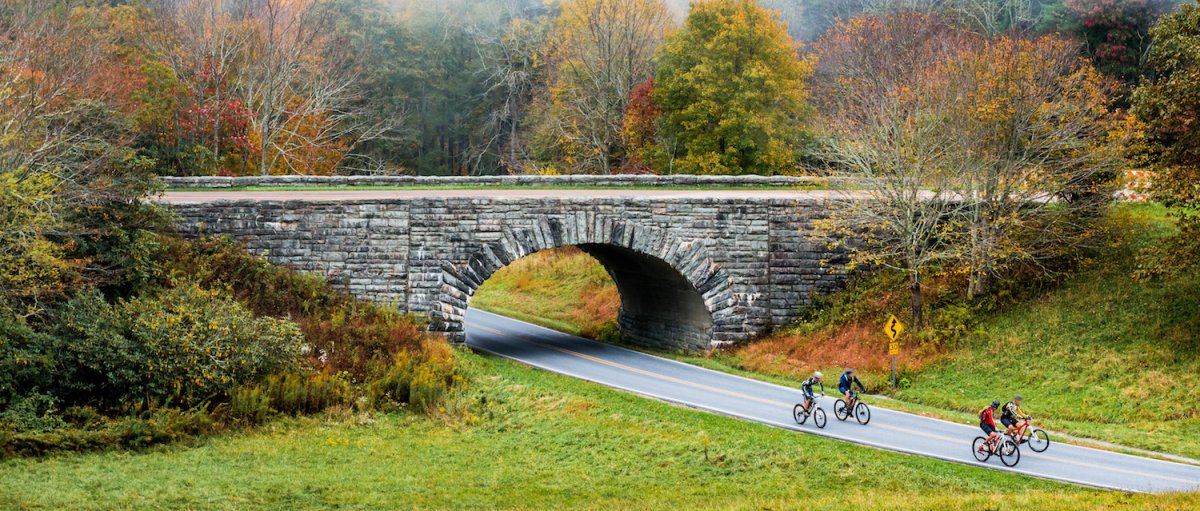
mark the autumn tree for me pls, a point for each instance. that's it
(1168, 104)
(1115, 33)
(72, 187)
(509, 62)
(889, 123)
(598, 51)
(651, 148)
(300, 88)
(202, 45)
(732, 91)
(1038, 146)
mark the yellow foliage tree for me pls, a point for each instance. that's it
(732, 90)
(599, 51)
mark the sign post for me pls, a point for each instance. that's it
(892, 329)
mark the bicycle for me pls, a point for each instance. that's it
(1004, 447)
(1037, 438)
(818, 414)
(862, 413)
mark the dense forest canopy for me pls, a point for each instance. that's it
(243, 87)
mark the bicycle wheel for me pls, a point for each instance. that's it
(819, 418)
(798, 414)
(1038, 440)
(840, 411)
(980, 450)
(862, 413)
(1009, 453)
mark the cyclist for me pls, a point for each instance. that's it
(987, 422)
(807, 386)
(844, 386)
(1012, 413)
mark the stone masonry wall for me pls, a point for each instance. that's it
(750, 260)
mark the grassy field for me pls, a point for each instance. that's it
(564, 289)
(1100, 356)
(538, 441)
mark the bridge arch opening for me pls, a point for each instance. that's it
(672, 295)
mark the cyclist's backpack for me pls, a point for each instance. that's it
(982, 412)
(1007, 411)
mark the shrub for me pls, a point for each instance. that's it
(345, 334)
(422, 380)
(26, 362)
(356, 337)
(95, 360)
(393, 385)
(161, 427)
(247, 405)
(200, 345)
(33, 413)
(268, 290)
(296, 394)
(289, 393)
(183, 347)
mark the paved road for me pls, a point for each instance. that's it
(770, 404)
(534, 193)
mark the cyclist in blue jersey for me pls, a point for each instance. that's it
(846, 382)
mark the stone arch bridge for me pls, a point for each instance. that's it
(694, 269)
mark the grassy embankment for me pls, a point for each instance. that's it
(1098, 356)
(539, 441)
(564, 289)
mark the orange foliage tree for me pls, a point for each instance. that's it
(1039, 147)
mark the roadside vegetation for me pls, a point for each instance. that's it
(208, 339)
(521, 438)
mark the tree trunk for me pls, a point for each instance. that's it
(914, 285)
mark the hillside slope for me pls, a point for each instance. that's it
(1099, 355)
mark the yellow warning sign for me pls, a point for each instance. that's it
(893, 327)
(893, 348)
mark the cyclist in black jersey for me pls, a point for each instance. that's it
(1012, 414)
(807, 388)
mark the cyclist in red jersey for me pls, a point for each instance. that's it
(987, 422)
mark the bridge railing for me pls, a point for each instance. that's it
(608, 181)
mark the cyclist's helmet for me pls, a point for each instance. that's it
(818, 375)
(1017, 397)
(849, 370)
(995, 403)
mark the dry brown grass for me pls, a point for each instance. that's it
(858, 344)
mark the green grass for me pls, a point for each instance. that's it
(540, 441)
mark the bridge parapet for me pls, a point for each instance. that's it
(583, 181)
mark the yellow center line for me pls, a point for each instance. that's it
(772, 402)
